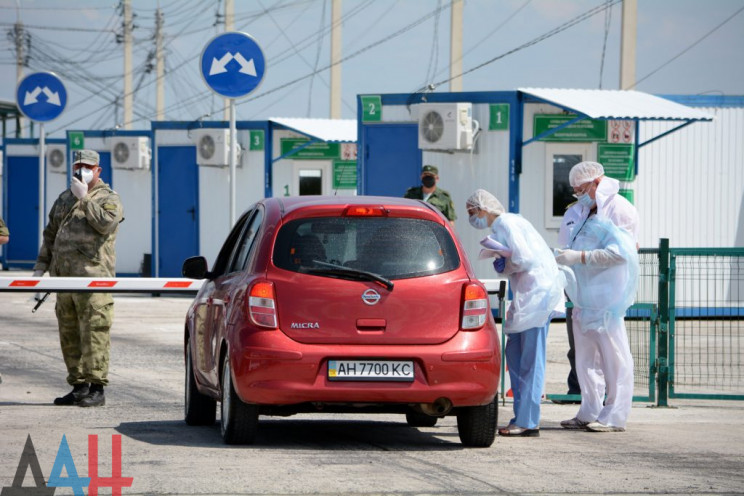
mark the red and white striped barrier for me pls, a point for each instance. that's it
(99, 285)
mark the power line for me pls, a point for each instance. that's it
(695, 43)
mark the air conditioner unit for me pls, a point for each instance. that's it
(130, 152)
(213, 147)
(56, 156)
(446, 126)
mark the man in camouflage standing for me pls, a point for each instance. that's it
(429, 192)
(79, 242)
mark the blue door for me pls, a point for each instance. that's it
(392, 162)
(22, 213)
(105, 163)
(178, 183)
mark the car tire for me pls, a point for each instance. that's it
(238, 420)
(199, 409)
(418, 419)
(476, 425)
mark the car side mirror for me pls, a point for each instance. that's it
(195, 268)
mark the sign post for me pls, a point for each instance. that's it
(232, 65)
(41, 97)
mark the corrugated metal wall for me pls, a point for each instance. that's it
(690, 184)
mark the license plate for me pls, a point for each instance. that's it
(370, 370)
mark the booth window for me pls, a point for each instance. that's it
(559, 195)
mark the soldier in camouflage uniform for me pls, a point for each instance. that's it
(79, 242)
(429, 192)
(4, 233)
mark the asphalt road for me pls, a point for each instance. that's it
(695, 447)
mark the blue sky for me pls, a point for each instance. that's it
(394, 46)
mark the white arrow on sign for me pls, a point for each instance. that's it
(218, 65)
(52, 96)
(31, 97)
(246, 66)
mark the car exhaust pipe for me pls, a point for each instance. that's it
(440, 407)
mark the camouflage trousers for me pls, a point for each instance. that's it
(84, 321)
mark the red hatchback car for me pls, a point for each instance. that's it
(341, 304)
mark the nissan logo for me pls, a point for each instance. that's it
(370, 297)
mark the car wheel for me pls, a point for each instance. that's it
(238, 420)
(199, 409)
(417, 419)
(476, 425)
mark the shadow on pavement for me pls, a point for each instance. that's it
(302, 434)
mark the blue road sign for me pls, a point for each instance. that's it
(232, 64)
(41, 96)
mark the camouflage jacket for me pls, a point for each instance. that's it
(3, 228)
(79, 238)
(439, 198)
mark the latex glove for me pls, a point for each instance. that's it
(568, 257)
(38, 273)
(78, 188)
(499, 264)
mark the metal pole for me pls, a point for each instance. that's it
(128, 96)
(335, 111)
(456, 45)
(628, 45)
(159, 67)
(663, 356)
(233, 160)
(42, 146)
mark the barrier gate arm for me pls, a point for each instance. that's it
(100, 285)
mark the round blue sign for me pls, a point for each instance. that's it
(232, 64)
(41, 96)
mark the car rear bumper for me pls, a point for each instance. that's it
(271, 369)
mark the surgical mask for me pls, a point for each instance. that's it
(428, 181)
(586, 200)
(478, 222)
(85, 175)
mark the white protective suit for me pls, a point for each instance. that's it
(610, 205)
(536, 282)
(602, 289)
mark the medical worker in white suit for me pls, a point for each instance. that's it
(537, 285)
(599, 247)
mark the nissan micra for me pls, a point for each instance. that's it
(340, 304)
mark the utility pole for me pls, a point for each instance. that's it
(128, 96)
(18, 32)
(229, 26)
(628, 45)
(456, 45)
(159, 67)
(336, 59)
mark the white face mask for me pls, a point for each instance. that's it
(478, 222)
(85, 175)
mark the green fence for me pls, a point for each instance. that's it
(699, 293)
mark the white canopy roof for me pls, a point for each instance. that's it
(330, 130)
(616, 104)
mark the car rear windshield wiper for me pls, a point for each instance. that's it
(347, 272)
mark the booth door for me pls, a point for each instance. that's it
(22, 211)
(177, 210)
(392, 163)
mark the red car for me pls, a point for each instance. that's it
(341, 304)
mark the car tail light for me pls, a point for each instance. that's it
(262, 305)
(474, 307)
(364, 211)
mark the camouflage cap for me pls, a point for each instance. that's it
(430, 169)
(85, 157)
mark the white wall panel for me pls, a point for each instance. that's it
(690, 185)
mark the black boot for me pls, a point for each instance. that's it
(95, 397)
(79, 391)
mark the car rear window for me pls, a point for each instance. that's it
(394, 248)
